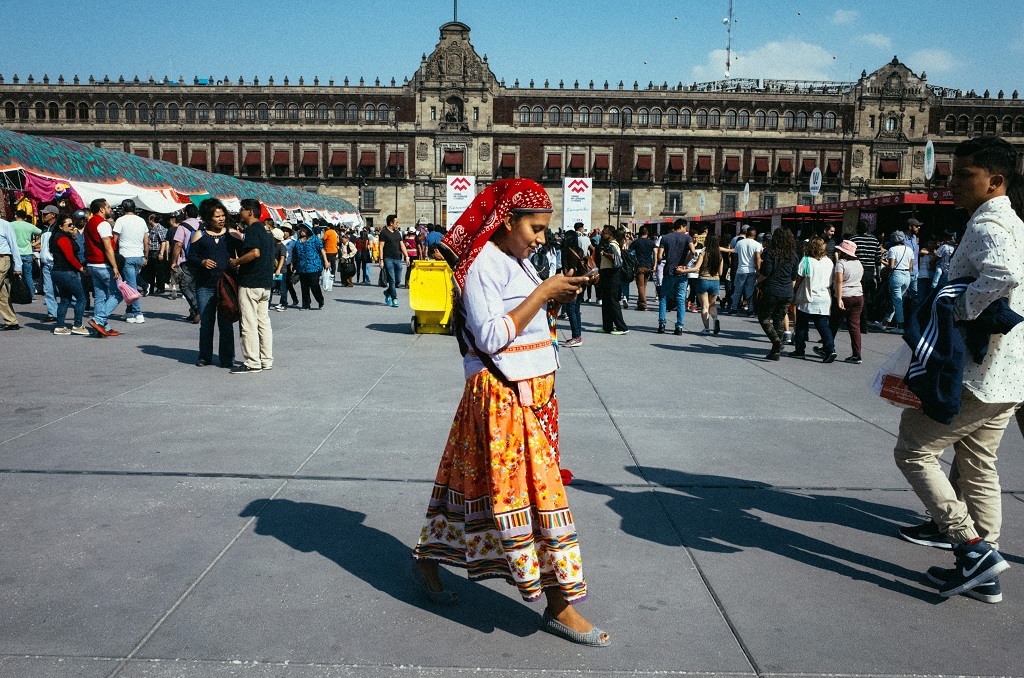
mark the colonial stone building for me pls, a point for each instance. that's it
(652, 149)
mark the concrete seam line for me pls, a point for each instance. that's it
(748, 655)
(209, 568)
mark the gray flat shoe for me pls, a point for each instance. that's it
(557, 628)
(444, 597)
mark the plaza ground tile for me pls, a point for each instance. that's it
(56, 667)
(322, 577)
(99, 559)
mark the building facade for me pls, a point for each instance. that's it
(651, 150)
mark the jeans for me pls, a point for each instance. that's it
(609, 287)
(899, 283)
(771, 313)
(68, 285)
(572, 309)
(624, 288)
(206, 298)
(744, 287)
(51, 300)
(187, 284)
(26, 270)
(105, 294)
(257, 334)
(924, 288)
(393, 270)
(673, 286)
(132, 269)
(870, 287)
(803, 321)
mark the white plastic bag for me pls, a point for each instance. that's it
(326, 280)
(889, 382)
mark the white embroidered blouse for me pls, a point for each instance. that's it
(496, 284)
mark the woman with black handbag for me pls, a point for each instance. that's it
(347, 255)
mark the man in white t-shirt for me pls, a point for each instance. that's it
(132, 244)
(748, 262)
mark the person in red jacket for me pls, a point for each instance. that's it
(100, 242)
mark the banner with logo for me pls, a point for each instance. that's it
(461, 191)
(577, 198)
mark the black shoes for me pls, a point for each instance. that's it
(926, 534)
(825, 357)
(976, 564)
(245, 369)
(677, 331)
(989, 592)
(661, 328)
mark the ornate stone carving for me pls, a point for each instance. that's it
(918, 158)
(485, 152)
(422, 152)
(858, 158)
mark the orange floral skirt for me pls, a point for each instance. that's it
(498, 507)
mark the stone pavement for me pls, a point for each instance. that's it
(736, 516)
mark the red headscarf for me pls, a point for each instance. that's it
(482, 218)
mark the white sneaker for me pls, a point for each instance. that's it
(131, 319)
(140, 319)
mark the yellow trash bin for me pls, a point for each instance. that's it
(430, 296)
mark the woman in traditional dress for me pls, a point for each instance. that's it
(499, 507)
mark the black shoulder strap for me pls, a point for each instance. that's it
(463, 335)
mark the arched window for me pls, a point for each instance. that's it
(23, 110)
(41, 111)
(383, 113)
(990, 125)
(715, 118)
(979, 124)
(830, 120)
(672, 117)
(144, 113)
(263, 112)
(789, 120)
(370, 113)
(684, 118)
(10, 111)
(190, 112)
(643, 117)
(220, 112)
(950, 123)
(585, 116)
(204, 112)
(339, 112)
(70, 111)
(817, 120)
(760, 119)
(114, 113)
(1007, 125)
(54, 110)
(161, 112)
(310, 110)
(232, 112)
(101, 112)
(613, 116)
(353, 113)
(627, 116)
(129, 112)
(702, 117)
(538, 115)
(323, 114)
(293, 112)
(172, 112)
(656, 117)
(553, 115)
(892, 124)
(83, 111)
(962, 124)
(773, 120)
(597, 116)
(250, 113)
(524, 115)
(1018, 126)
(744, 119)
(730, 119)
(566, 115)
(801, 120)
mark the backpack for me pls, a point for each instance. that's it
(228, 310)
(541, 263)
(630, 266)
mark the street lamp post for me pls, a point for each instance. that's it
(398, 167)
(618, 171)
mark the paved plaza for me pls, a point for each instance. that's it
(736, 516)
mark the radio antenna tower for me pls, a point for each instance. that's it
(728, 41)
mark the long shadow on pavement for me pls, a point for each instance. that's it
(718, 514)
(182, 355)
(382, 561)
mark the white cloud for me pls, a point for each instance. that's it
(877, 40)
(933, 60)
(786, 60)
(845, 16)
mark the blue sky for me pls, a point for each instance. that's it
(552, 39)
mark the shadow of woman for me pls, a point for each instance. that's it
(718, 514)
(382, 561)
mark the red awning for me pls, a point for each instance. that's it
(142, 153)
(785, 165)
(280, 158)
(834, 166)
(808, 165)
(601, 161)
(453, 158)
(226, 158)
(253, 159)
(643, 162)
(396, 159)
(703, 163)
(577, 161)
(508, 161)
(732, 163)
(675, 163)
(760, 165)
(339, 159)
(198, 159)
(942, 168)
(554, 161)
(310, 158)
(368, 159)
(889, 167)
